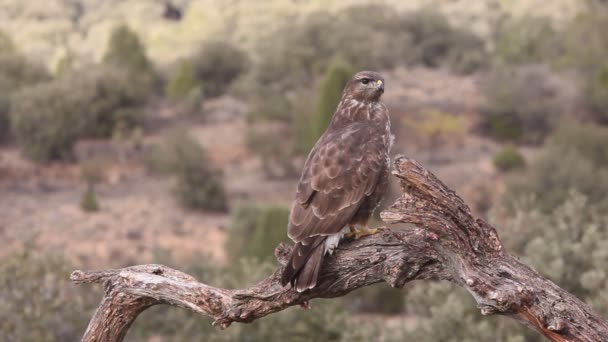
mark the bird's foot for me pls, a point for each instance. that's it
(361, 232)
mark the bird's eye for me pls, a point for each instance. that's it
(365, 81)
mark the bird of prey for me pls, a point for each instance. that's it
(343, 180)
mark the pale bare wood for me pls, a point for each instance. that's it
(448, 243)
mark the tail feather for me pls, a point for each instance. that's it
(304, 264)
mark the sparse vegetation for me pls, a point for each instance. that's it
(526, 40)
(521, 105)
(574, 159)
(508, 159)
(437, 128)
(88, 202)
(92, 173)
(39, 303)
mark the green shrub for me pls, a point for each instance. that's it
(312, 125)
(126, 50)
(256, 231)
(198, 185)
(597, 93)
(39, 303)
(6, 44)
(88, 202)
(329, 95)
(17, 72)
(575, 158)
(509, 158)
(5, 123)
(521, 106)
(217, 65)
(526, 40)
(48, 118)
(183, 81)
(435, 43)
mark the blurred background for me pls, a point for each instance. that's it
(144, 131)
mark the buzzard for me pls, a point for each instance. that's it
(343, 181)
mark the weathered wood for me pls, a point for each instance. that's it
(448, 243)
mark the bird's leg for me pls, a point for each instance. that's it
(360, 232)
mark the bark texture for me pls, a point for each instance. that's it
(447, 243)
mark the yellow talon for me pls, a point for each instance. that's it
(359, 233)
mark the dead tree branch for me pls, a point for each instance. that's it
(448, 244)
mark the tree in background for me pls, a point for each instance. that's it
(126, 50)
(329, 93)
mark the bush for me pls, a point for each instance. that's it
(49, 117)
(521, 105)
(126, 50)
(198, 185)
(527, 40)
(17, 72)
(217, 65)
(329, 95)
(509, 159)
(88, 202)
(256, 231)
(435, 43)
(5, 124)
(575, 158)
(597, 93)
(46, 120)
(329, 92)
(39, 303)
(182, 82)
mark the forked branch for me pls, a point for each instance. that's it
(448, 243)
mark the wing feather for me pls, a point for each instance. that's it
(341, 170)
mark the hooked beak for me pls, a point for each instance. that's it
(380, 85)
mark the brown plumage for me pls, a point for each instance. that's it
(343, 180)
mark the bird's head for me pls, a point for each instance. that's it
(365, 86)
